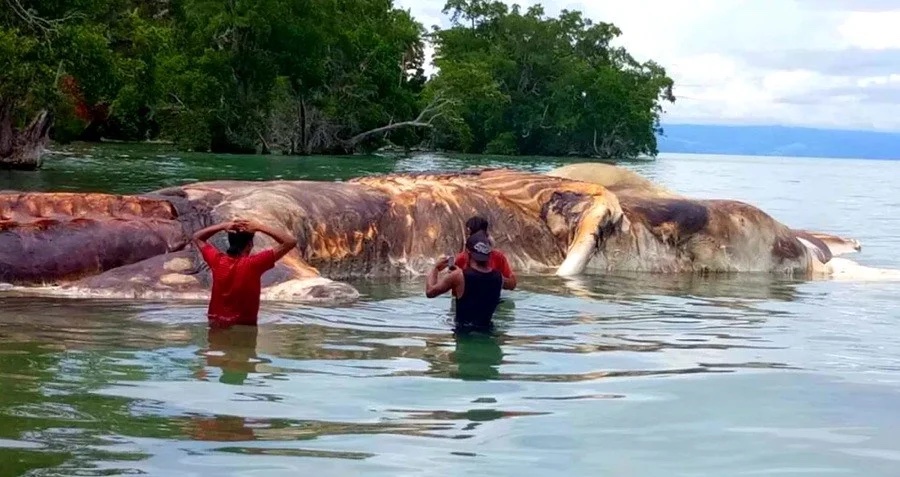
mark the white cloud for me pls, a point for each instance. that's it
(828, 63)
(872, 30)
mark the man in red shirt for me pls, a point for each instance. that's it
(236, 274)
(496, 260)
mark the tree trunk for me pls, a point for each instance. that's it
(23, 149)
(304, 142)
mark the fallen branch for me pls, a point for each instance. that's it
(423, 120)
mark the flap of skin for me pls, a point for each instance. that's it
(51, 237)
(186, 271)
(836, 245)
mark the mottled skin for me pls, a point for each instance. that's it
(677, 235)
(394, 225)
(380, 226)
(667, 232)
(538, 221)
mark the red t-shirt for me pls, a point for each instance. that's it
(497, 261)
(236, 285)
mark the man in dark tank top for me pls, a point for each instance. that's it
(475, 288)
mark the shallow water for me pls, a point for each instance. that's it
(627, 375)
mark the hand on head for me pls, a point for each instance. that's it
(241, 225)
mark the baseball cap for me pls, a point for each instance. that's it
(479, 246)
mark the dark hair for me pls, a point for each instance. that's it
(238, 241)
(476, 224)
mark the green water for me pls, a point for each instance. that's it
(125, 168)
(624, 376)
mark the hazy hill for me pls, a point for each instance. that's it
(779, 141)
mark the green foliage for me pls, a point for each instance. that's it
(27, 74)
(89, 61)
(524, 83)
(324, 76)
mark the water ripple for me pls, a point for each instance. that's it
(625, 374)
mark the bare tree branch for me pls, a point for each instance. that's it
(433, 111)
(30, 17)
(543, 117)
(611, 143)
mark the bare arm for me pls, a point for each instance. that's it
(509, 283)
(286, 241)
(201, 236)
(509, 276)
(435, 286)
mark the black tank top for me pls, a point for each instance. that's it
(475, 310)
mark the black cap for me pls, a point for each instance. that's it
(478, 246)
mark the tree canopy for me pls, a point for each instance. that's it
(523, 83)
(326, 76)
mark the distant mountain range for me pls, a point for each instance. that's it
(778, 141)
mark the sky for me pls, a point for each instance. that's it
(818, 63)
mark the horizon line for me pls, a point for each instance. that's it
(780, 126)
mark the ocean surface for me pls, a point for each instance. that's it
(605, 375)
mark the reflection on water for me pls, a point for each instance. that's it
(384, 386)
(477, 356)
(650, 375)
(233, 351)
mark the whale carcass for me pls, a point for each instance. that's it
(137, 246)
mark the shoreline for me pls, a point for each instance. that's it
(59, 149)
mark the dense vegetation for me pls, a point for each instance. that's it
(325, 76)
